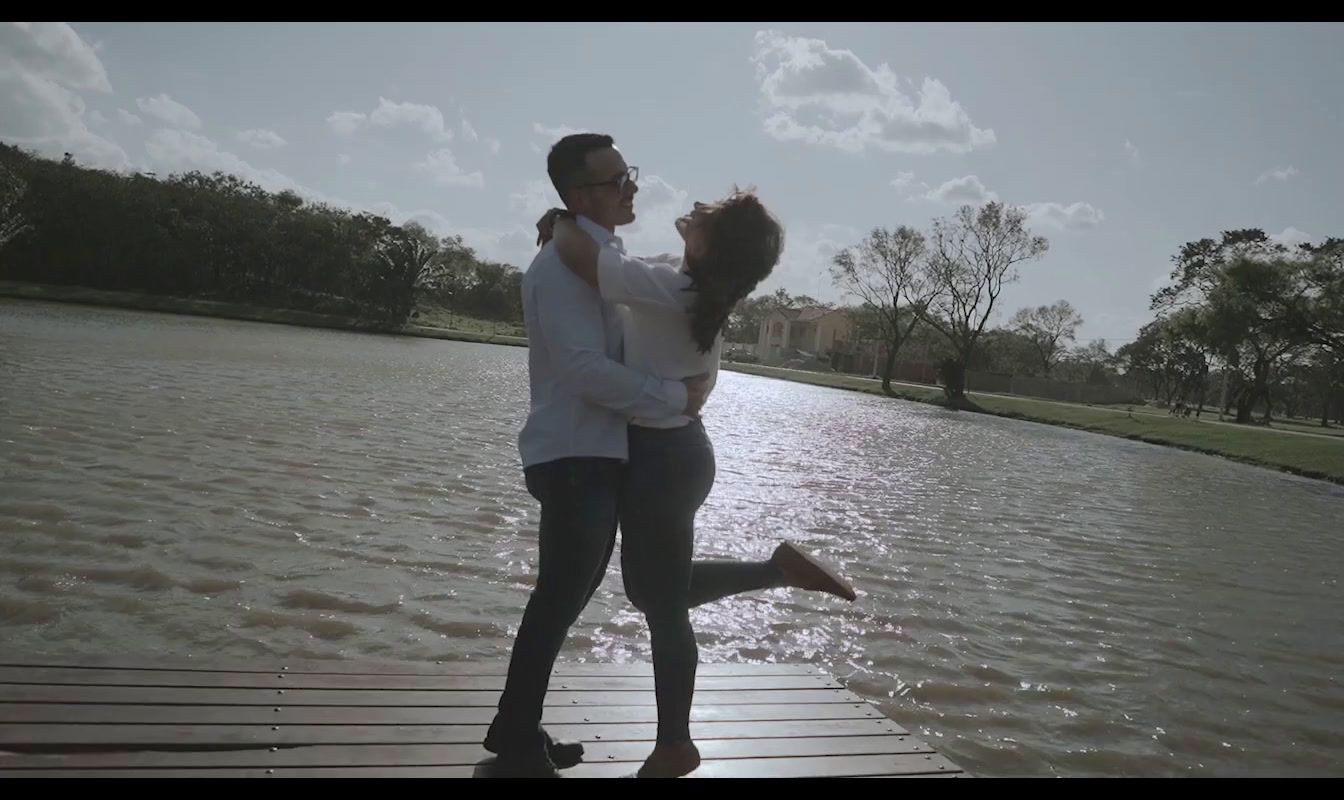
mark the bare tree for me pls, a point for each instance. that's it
(971, 257)
(1049, 329)
(883, 273)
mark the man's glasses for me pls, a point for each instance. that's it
(631, 175)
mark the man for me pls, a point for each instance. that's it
(574, 442)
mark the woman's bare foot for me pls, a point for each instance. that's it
(670, 760)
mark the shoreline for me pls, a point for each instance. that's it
(1315, 457)
(137, 301)
(1300, 458)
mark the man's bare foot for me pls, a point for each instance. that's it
(670, 760)
(802, 571)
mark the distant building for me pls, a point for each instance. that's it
(813, 330)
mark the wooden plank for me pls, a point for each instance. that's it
(52, 737)
(272, 664)
(22, 713)
(824, 767)
(612, 770)
(116, 717)
(147, 695)
(455, 755)
(340, 772)
(818, 767)
(284, 680)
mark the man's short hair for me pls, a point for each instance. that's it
(567, 163)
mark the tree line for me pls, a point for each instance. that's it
(1258, 320)
(222, 238)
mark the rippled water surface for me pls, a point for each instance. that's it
(1034, 600)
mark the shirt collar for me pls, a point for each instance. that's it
(600, 234)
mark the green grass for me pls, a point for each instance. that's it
(1278, 424)
(433, 322)
(438, 317)
(1306, 426)
(184, 305)
(1311, 456)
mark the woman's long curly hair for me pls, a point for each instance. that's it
(743, 244)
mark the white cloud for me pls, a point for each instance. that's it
(654, 191)
(534, 198)
(804, 267)
(1280, 174)
(170, 111)
(182, 151)
(261, 138)
(43, 66)
(903, 179)
(657, 206)
(1075, 216)
(1291, 237)
(343, 158)
(442, 166)
(470, 134)
(970, 190)
(1132, 153)
(432, 221)
(389, 114)
(908, 186)
(967, 189)
(554, 134)
(127, 117)
(97, 118)
(346, 122)
(551, 134)
(514, 245)
(428, 118)
(53, 51)
(817, 94)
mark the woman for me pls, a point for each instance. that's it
(673, 315)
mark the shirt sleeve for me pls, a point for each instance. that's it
(622, 279)
(570, 317)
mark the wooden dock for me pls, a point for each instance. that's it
(184, 718)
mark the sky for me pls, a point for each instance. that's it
(1122, 141)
